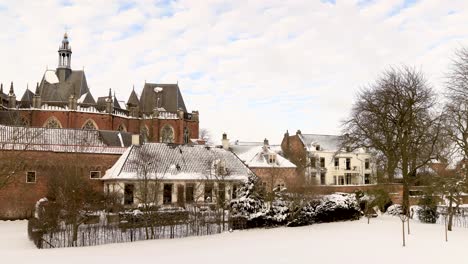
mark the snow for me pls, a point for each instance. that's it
(377, 242)
(51, 77)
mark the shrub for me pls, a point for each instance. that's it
(427, 212)
(395, 210)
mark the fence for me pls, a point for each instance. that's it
(460, 218)
(135, 226)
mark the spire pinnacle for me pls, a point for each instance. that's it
(1, 88)
(37, 89)
(12, 91)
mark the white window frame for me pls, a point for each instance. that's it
(35, 177)
(90, 172)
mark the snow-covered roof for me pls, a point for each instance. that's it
(256, 156)
(51, 77)
(63, 140)
(176, 162)
(326, 142)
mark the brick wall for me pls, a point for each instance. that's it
(75, 119)
(17, 200)
(273, 176)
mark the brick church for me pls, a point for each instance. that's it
(62, 99)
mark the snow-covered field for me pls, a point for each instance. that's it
(344, 242)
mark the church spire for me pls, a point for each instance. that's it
(65, 53)
(12, 91)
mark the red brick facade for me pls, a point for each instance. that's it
(103, 121)
(274, 176)
(17, 200)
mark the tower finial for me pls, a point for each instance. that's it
(37, 88)
(12, 90)
(1, 88)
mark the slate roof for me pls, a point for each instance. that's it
(63, 140)
(171, 98)
(26, 99)
(75, 84)
(177, 162)
(133, 99)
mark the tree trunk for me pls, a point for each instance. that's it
(403, 226)
(450, 213)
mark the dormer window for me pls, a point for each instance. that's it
(219, 168)
(348, 149)
(317, 147)
(272, 158)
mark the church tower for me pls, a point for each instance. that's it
(64, 63)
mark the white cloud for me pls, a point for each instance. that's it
(252, 68)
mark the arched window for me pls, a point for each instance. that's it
(52, 122)
(186, 135)
(90, 125)
(144, 132)
(167, 134)
(122, 128)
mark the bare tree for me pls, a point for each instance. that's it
(15, 141)
(148, 185)
(396, 116)
(205, 134)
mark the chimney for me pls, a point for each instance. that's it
(265, 142)
(136, 140)
(225, 142)
(298, 132)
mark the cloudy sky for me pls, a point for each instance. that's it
(252, 68)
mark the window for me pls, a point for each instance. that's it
(367, 164)
(322, 178)
(335, 180)
(367, 178)
(52, 122)
(322, 162)
(167, 194)
(189, 188)
(167, 134)
(144, 132)
(340, 180)
(234, 191)
(89, 125)
(271, 158)
(221, 193)
(31, 177)
(122, 128)
(317, 147)
(348, 164)
(313, 162)
(348, 179)
(186, 135)
(128, 194)
(348, 149)
(208, 192)
(337, 163)
(94, 174)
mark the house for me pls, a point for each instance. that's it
(30, 157)
(63, 99)
(274, 170)
(170, 174)
(324, 161)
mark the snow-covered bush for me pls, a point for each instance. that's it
(427, 211)
(278, 212)
(330, 208)
(249, 205)
(395, 210)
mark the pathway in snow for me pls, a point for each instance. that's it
(344, 242)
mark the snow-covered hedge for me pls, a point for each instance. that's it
(331, 208)
(395, 210)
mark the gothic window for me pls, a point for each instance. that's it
(122, 128)
(89, 125)
(52, 122)
(144, 132)
(186, 135)
(167, 134)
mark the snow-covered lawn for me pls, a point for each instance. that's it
(344, 242)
